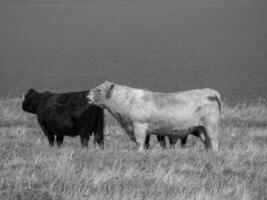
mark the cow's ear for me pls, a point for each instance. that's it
(31, 92)
(110, 90)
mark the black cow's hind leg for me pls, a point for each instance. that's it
(98, 128)
(59, 140)
(84, 141)
(85, 136)
(99, 139)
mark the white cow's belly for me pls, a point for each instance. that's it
(173, 125)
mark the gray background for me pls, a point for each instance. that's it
(161, 45)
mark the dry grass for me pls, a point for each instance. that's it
(30, 169)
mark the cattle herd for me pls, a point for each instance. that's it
(140, 113)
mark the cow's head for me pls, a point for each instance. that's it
(31, 101)
(100, 94)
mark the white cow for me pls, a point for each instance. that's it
(141, 112)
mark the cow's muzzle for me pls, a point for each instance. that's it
(90, 99)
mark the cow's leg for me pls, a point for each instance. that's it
(99, 129)
(161, 140)
(51, 139)
(147, 141)
(173, 141)
(205, 135)
(59, 140)
(84, 136)
(84, 141)
(49, 135)
(212, 132)
(140, 134)
(183, 141)
(99, 139)
(211, 122)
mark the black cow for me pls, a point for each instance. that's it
(66, 114)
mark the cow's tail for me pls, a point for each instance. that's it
(217, 98)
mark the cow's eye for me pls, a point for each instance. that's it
(98, 91)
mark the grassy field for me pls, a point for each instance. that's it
(30, 169)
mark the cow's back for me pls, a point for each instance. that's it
(170, 108)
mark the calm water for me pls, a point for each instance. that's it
(161, 45)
